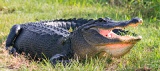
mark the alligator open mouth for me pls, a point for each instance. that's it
(120, 34)
(127, 38)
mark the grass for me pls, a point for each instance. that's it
(144, 55)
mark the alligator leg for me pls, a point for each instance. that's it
(15, 30)
(59, 58)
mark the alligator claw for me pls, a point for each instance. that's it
(58, 58)
(13, 51)
(7, 48)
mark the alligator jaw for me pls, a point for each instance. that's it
(118, 49)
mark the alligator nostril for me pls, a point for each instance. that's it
(140, 21)
(136, 20)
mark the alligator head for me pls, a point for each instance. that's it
(109, 36)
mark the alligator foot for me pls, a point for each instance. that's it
(13, 51)
(7, 47)
(59, 58)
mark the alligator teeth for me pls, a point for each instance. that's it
(136, 24)
(109, 35)
(119, 28)
(129, 36)
(138, 37)
(133, 25)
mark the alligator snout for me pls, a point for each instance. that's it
(135, 22)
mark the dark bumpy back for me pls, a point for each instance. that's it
(67, 23)
(47, 37)
(37, 39)
(43, 29)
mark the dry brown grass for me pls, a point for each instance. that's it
(9, 62)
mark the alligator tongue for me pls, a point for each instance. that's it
(107, 33)
(110, 34)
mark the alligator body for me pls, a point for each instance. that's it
(51, 39)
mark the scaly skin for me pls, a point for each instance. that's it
(51, 39)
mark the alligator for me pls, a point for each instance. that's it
(88, 38)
